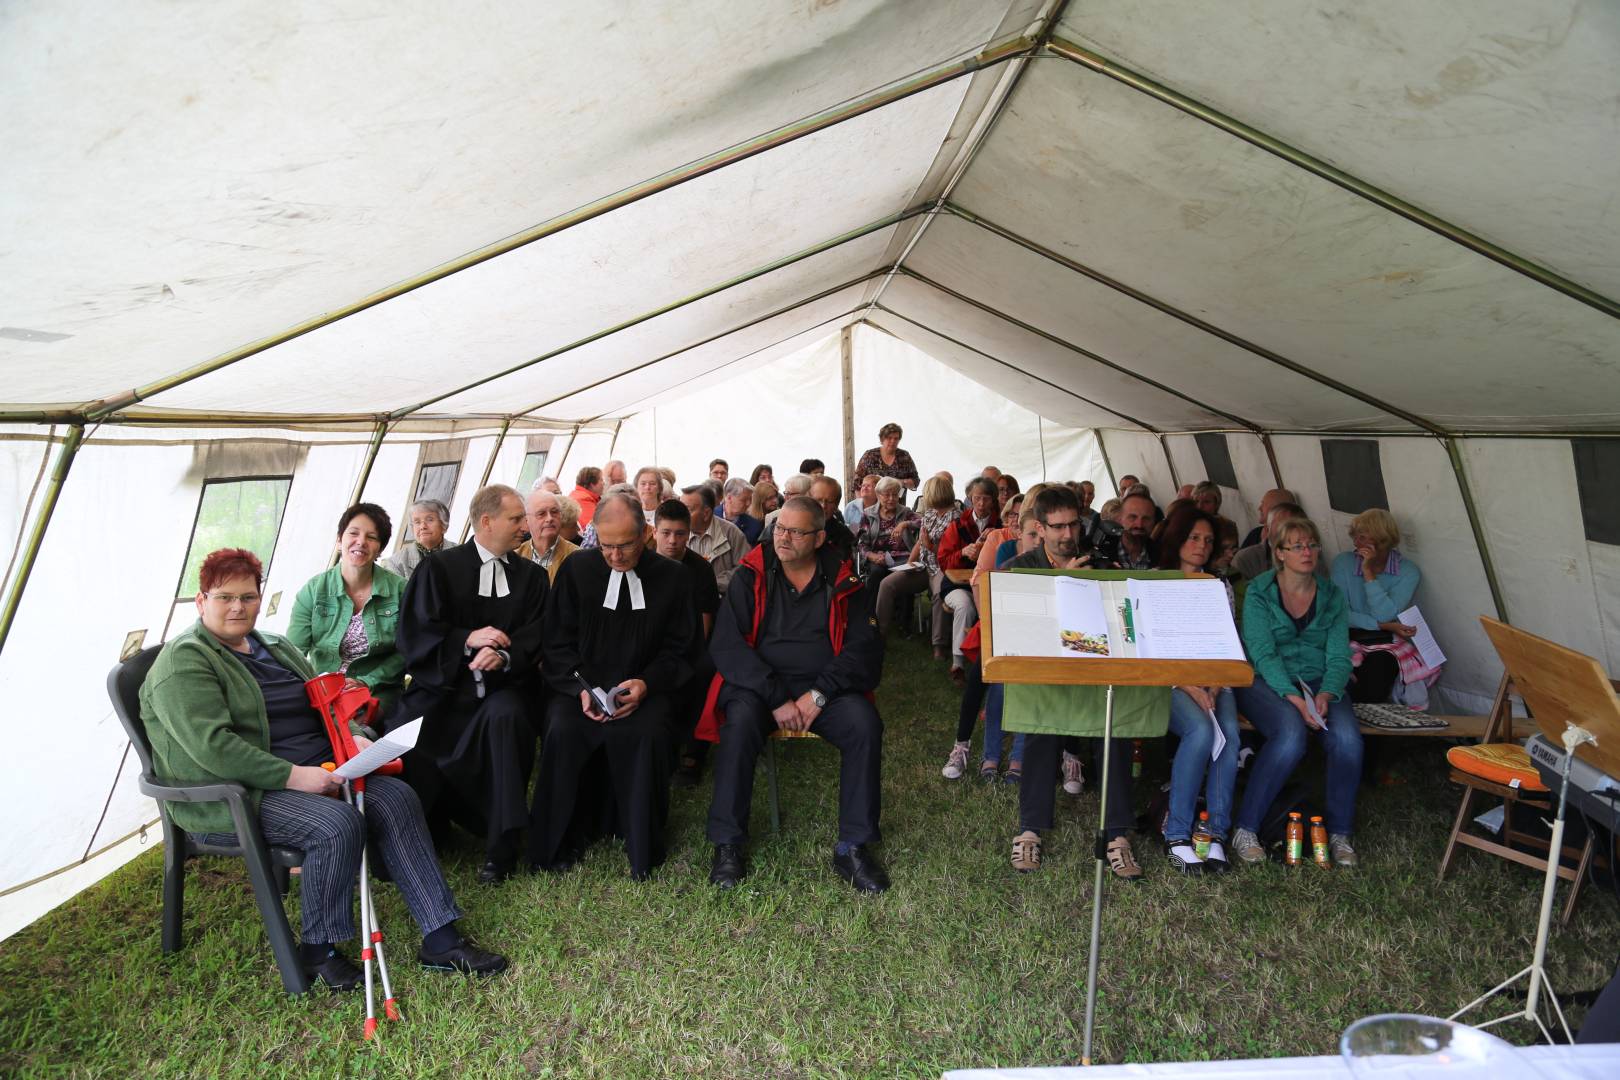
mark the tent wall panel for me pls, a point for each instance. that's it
(320, 492)
(1532, 516)
(389, 486)
(1138, 454)
(1255, 478)
(20, 464)
(1236, 503)
(1606, 588)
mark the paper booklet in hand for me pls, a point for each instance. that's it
(606, 702)
(381, 752)
(1137, 618)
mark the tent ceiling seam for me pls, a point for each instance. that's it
(1332, 174)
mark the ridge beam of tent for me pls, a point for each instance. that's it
(1332, 174)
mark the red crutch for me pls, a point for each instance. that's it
(338, 705)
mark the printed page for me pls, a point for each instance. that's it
(1023, 615)
(1423, 640)
(381, 752)
(1184, 620)
(1082, 615)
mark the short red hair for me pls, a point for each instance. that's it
(228, 563)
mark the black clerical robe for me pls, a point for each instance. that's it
(610, 776)
(477, 741)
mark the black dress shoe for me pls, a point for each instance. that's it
(494, 872)
(464, 957)
(727, 871)
(336, 971)
(688, 775)
(861, 869)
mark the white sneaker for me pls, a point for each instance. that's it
(956, 764)
(1073, 782)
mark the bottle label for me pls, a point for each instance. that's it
(1201, 846)
(1294, 846)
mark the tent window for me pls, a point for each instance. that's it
(1217, 459)
(1595, 460)
(1355, 479)
(243, 513)
(438, 482)
(533, 462)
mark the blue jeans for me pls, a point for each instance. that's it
(1192, 762)
(1285, 732)
(992, 727)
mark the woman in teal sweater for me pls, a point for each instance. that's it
(1296, 632)
(344, 618)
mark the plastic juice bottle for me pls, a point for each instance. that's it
(1294, 852)
(1319, 843)
(1201, 836)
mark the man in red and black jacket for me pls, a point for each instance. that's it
(796, 647)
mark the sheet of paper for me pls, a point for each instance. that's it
(1310, 704)
(381, 752)
(1184, 619)
(1423, 640)
(1082, 617)
(1023, 614)
(1220, 736)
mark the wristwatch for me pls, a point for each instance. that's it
(819, 698)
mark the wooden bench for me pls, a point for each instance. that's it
(1457, 727)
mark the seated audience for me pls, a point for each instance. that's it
(225, 703)
(546, 547)
(887, 459)
(344, 619)
(795, 649)
(430, 518)
(1226, 546)
(899, 585)
(1296, 630)
(621, 620)
(650, 490)
(1267, 501)
(765, 502)
(569, 527)
(613, 473)
(1207, 497)
(940, 510)
(1006, 488)
(813, 467)
(549, 483)
(959, 549)
(588, 485)
(672, 533)
(990, 473)
(1186, 545)
(865, 496)
(719, 470)
(1109, 512)
(797, 484)
(470, 633)
(1125, 484)
(1136, 518)
(881, 536)
(1252, 561)
(1379, 582)
(737, 508)
(829, 495)
(587, 539)
(761, 473)
(994, 540)
(1064, 546)
(714, 538)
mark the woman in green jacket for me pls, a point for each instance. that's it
(1296, 629)
(344, 618)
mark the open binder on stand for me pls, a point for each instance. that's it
(1107, 628)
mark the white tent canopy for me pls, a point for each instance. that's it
(346, 245)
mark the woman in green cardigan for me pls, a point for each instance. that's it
(344, 618)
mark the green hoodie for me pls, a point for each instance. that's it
(1282, 653)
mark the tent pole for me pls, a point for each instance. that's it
(846, 371)
(1271, 456)
(489, 467)
(1477, 525)
(1194, 321)
(1175, 481)
(918, 83)
(1250, 425)
(568, 447)
(1338, 177)
(614, 442)
(1102, 448)
(365, 467)
(36, 535)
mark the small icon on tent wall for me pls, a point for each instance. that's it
(133, 641)
(275, 602)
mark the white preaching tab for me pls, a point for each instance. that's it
(1185, 619)
(616, 582)
(1423, 640)
(381, 752)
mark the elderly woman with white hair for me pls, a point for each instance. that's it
(736, 504)
(885, 534)
(1379, 582)
(430, 520)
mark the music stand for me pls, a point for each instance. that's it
(1574, 703)
(1108, 672)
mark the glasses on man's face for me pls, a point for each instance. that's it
(1062, 526)
(231, 599)
(1297, 548)
(797, 534)
(620, 549)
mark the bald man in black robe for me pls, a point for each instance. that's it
(620, 618)
(469, 630)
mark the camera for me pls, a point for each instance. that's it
(1105, 541)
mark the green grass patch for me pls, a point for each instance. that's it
(963, 963)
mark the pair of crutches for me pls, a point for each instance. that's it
(339, 706)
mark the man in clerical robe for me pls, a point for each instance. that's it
(470, 634)
(619, 620)
(796, 648)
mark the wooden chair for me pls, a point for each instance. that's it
(1499, 728)
(770, 770)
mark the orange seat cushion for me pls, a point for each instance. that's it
(1501, 763)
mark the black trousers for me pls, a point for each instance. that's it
(849, 722)
(1375, 678)
(477, 762)
(599, 779)
(1037, 795)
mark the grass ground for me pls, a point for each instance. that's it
(963, 963)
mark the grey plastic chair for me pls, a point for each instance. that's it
(267, 866)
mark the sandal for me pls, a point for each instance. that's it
(1026, 851)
